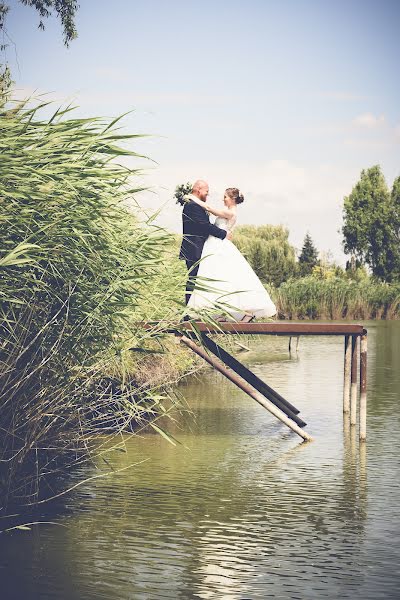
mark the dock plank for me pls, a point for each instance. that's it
(269, 328)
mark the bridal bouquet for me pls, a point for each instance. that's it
(181, 191)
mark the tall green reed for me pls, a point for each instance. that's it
(73, 266)
(337, 298)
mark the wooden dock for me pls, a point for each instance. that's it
(273, 328)
(195, 335)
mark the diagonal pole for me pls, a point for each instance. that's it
(247, 388)
(257, 383)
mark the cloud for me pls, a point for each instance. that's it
(374, 134)
(23, 93)
(37, 95)
(369, 121)
(133, 97)
(277, 192)
(342, 96)
(111, 74)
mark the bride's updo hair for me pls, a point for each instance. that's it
(235, 195)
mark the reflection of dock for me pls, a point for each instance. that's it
(194, 335)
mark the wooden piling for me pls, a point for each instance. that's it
(248, 389)
(347, 374)
(363, 388)
(353, 389)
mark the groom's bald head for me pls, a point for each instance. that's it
(200, 189)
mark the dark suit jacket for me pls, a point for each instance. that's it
(196, 229)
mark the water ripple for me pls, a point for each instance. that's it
(242, 509)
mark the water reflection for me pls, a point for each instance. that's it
(242, 509)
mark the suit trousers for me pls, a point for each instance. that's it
(193, 269)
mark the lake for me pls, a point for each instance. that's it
(242, 508)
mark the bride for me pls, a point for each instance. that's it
(235, 287)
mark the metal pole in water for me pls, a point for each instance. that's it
(363, 388)
(257, 383)
(248, 389)
(347, 374)
(353, 390)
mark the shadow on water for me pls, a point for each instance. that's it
(241, 509)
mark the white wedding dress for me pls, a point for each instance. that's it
(236, 289)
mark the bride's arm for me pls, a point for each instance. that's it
(225, 213)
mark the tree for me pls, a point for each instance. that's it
(258, 258)
(369, 228)
(395, 198)
(64, 9)
(308, 258)
(268, 251)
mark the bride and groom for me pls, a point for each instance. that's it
(219, 275)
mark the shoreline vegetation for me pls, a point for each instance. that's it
(336, 298)
(314, 287)
(76, 268)
(79, 272)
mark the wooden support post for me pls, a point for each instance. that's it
(363, 388)
(347, 374)
(297, 343)
(250, 391)
(353, 390)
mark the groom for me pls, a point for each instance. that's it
(196, 229)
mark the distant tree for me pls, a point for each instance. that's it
(258, 258)
(369, 229)
(308, 258)
(3, 12)
(395, 198)
(64, 9)
(5, 81)
(268, 251)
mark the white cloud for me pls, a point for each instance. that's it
(133, 97)
(111, 74)
(342, 96)
(24, 92)
(369, 120)
(277, 192)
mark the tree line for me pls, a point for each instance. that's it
(371, 236)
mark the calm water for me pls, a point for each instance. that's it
(242, 509)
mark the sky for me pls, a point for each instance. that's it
(287, 100)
